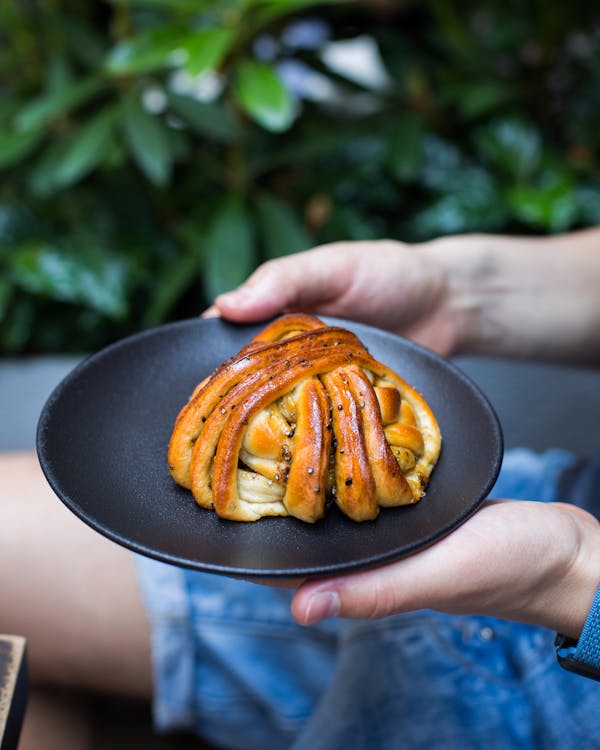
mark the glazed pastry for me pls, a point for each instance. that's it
(301, 415)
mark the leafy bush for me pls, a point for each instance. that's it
(153, 152)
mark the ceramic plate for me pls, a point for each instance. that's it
(102, 443)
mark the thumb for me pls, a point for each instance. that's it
(303, 281)
(258, 298)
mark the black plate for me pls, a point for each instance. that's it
(102, 442)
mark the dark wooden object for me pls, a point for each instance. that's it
(13, 689)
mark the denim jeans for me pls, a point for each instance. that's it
(231, 664)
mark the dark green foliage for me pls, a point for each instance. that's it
(153, 152)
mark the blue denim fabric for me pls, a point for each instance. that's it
(431, 681)
(230, 663)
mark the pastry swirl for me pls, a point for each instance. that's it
(301, 414)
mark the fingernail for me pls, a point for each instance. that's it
(239, 296)
(322, 605)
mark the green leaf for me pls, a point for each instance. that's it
(348, 223)
(18, 325)
(19, 223)
(151, 50)
(474, 205)
(314, 147)
(47, 107)
(87, 148)
(206, 49)
(552, 205)
(588, 200)
(9, 106)
(185, 5)
(207, 119)
(42, 177)
(6, 295)
(147, 140)
(269, 10)
(511, 145)
(261, 94)
(281, 231)
(58, 72)
(47, 271)
(442, 165)
(76, 156)
(405, 152)
(16, 146)
(481, 98)
(172, 282)
(86, 42)
(454, 28)
(230, 254)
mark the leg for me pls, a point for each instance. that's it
(69, 591)
(56, 720)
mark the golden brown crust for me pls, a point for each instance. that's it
(301, 412)
(306, 484)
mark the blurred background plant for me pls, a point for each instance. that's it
(153, 152)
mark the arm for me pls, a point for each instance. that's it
(526, 297)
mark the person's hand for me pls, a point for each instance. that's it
(478, 294)
(460, 294)
(399, 287)
(525, 561)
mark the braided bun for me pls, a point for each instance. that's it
(303, 413)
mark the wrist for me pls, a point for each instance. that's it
(581, 584)
(565, 605)
(533, 297)
(468, 265)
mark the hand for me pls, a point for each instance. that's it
(455, 294)
(399, 287)
(525, 561)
